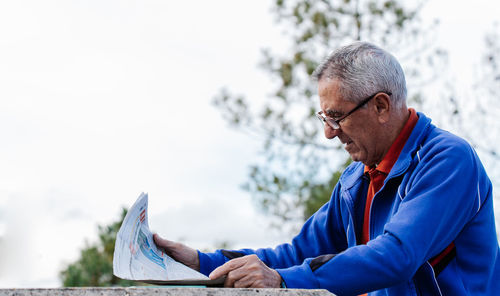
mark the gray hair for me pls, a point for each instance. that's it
(364, 69)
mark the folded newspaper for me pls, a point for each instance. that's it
(136, 256)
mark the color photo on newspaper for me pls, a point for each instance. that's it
(136, 256)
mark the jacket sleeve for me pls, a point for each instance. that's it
(441, 199)
(322, 233)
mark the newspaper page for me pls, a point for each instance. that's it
(136, 256)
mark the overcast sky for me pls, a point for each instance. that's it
(101, 100)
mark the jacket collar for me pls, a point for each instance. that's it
(355, 171)
(413, 144)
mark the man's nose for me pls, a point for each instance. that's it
(330, 132)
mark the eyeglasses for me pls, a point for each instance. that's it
(335, 124)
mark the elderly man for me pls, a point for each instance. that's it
(412, 215)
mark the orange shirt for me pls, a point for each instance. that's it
(379, 173)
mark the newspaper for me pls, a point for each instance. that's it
(136, 256)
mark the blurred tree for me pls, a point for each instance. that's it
(492, 62)
(482, 110)
(298, 168)
(487, 108)
(95, 266)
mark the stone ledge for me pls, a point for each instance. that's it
(163, 291)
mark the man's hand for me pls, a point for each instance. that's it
(179, 252)
(247, 272)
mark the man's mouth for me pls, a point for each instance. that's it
(348, 145)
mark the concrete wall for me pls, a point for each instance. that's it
(163, 291)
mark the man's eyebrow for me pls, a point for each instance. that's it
(333, 113)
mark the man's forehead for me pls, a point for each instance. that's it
(328, 86)
(331, 101)
(330, 90)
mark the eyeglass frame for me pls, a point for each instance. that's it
(335, 124)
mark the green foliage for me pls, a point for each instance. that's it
(94, 268)
(319, 194)
(298, 167)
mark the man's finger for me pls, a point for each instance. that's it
(161, 242)
(227, 267)
(235, 275)
(245, 281)
(164, 245)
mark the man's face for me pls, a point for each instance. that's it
(358, 132)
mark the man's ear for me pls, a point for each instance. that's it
(383, 107)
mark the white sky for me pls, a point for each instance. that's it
(100, 100)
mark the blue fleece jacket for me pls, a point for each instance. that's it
(436, 194)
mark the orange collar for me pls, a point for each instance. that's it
(392, 155)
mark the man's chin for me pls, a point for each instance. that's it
(355, 157)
